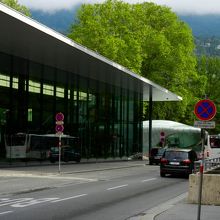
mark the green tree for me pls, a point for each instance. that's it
(151, 41)
(15, 5)
(210, 67)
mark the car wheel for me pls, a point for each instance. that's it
(150, 162)
(162, 174)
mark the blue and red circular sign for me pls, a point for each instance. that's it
(205, 110)
(59, 116)
(59, 128)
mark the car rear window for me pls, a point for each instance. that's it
(179, 155)
(154, 151)
(160, 151)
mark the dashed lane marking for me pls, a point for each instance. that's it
(68, 198)
(147, 180)
(117, 187)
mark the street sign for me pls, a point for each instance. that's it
(59, 116)
(59, 127)
(205, 110)
(162, 137)
(204, 124)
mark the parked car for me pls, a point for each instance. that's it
(155, 155)
(177, 161)
(67, 154)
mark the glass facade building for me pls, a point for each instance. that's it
(42, 73)
(106, 118)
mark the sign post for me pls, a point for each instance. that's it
(162, 138)
(204, 110)
(59, 128)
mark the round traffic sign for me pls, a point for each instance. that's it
(59, 128)
(59, 116)
(205, 110)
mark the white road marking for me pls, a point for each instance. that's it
(7, 212)
(116, 187)
(147, 180)
(73, 197)
(7, 201)
(23, 204)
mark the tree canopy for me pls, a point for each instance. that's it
(15, 5)
(148, 39)
(210, 67)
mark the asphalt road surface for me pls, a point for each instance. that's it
(112, 194)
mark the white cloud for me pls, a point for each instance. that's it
(192, 6)
(180, 6)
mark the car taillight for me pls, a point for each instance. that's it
(163, 161)
(186, 162)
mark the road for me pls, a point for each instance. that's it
(111, 194)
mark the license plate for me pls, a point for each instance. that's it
(174, 163)
(157, 157)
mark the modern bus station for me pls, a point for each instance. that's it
(43, 72)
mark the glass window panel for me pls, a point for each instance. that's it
(48, 90)
(34, 86)
(4, 80)
(60, 92)
(15, 83)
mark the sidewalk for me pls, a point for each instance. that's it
(184, 211)
(179, 209)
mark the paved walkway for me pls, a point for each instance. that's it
(184, 211)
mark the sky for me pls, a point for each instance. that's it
(180, 6)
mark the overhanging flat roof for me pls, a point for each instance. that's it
(24, 37)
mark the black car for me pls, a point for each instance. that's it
(177, 161)
(155, 155)
(67, 154)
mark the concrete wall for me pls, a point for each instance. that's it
(210, 189)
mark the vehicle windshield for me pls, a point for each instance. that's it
(15, 140)
(179, 155)
(215, 142)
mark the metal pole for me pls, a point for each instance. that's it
(59, 152)
(201, 168)
(150, 119)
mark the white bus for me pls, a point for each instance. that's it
(213, 143)
(35, 146)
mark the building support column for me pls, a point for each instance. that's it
(150, 118)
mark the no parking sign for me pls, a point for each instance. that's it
(205, 110)
(59, 128)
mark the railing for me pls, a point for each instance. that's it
(209, 164)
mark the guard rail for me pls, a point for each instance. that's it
(209, 164)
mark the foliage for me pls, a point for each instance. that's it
(14, 4)
(151, 41)
(210, 66)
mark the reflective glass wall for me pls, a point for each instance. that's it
(107, 119)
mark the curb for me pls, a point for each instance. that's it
(150, 214)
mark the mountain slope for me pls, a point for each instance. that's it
(204, 25)
(59, 21)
